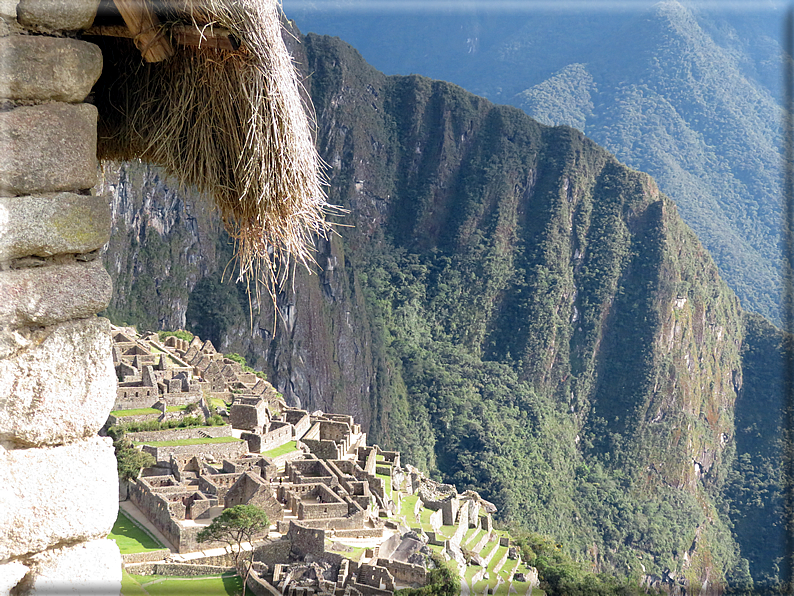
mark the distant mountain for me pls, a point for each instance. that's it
(513, 309)
(687, 95)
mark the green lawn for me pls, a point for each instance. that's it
(424, 519)
(217, 402)
(134, 412)
(155, 585)
(130, 538)
(387, 484)
(471, 571)
(129, 587)
(199, 441)
(407, 507)
(283, 450)
(488, 547)
(176, 408)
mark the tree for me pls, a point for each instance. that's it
(234, 526)
(130, 460)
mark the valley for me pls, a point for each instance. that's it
(512, 309)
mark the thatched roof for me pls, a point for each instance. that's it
(227, 118)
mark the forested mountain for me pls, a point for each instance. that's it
(513, 309)
(686, 94)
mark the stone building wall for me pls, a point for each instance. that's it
(217, 450)
(57, 383)
(177, 434)
(279, 434)
(405, 572)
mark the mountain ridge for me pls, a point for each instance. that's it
(505, 286)
(687, 94)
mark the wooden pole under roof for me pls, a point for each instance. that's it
(147, 33)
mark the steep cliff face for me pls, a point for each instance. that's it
(162, 244)
(506, 303)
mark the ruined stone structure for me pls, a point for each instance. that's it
(176, 372)
(57, 383)
(312, 502)
(195, 482)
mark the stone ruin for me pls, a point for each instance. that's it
(307, 496)
(329, 488)
(155, 374)
(335, 495)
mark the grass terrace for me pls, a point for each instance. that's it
(173, 360)
(217, 402)
(131, 538)
(283, 450)
(471, 571)
(159, 585)
(424, 519)
(176, 408)
(473, 536)
(501, 552)
(350, 552)
(387, 484)
(134, 412)
(489, 546)
(198, 441)
(407, 508)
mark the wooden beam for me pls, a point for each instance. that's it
(208, 37)
(147, 33)
(186, 35)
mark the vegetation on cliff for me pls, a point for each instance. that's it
(522, 315)
(686, 92)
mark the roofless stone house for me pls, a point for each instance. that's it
(204, 88)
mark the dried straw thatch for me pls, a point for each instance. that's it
(230, 123)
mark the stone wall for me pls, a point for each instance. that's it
(219, 451)
(279, 434)
(121, 420)
(158, 512)
(274, 552)
(370, 578)
(147, 557)
(259, 586)
(405, 572)
(305, 541)
(178, 569)
(176, 434)
(58, 481)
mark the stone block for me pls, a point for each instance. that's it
(54, 293)
(40, 68)
(57, 15)
(61, 389)
(53, 495)
(8, 12)
(48, 148)
(90, 568)
(52, 224)
(10, 576)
